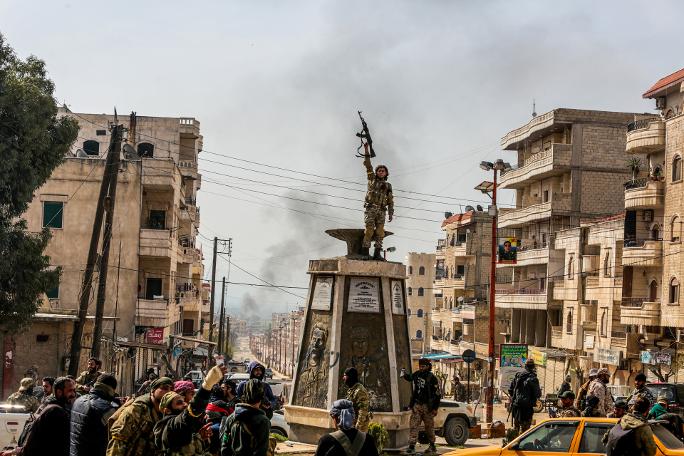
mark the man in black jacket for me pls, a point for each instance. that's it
(89, 416)
(246, 431)
(346, 441)
(424, 403)
(49, 433)
(524, 392)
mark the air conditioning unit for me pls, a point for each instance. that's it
(660, 103)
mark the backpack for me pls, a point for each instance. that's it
(350, 447)
(620, 441)
(521, 392)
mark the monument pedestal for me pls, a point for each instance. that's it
(355, 317)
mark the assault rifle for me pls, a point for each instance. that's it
(364, 134)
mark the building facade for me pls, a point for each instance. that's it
(155, 302)
(420, 298)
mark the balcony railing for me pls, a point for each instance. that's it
(645, 136)
(530, 291)
(633, 302)
(636, 183)
(641, 123)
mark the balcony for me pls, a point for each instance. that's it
(460, 249)
(156, 313)
(639, 311)
(159, 174)
(552, 161)
(528, 255)
(642, 252)
(188, 169)
(514, 218)
(465, 311)
(593, 289)
(628, 343)
(644, 194)
(189, 126)
(155, 243)
(190, 303)
(525, 298)
(645, 136)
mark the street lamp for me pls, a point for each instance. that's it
(487, 187)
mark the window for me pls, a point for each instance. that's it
(101, 132)
(653, 291)
(571, 268)
(568, 321)
(606, 265)
(146, 150)
(460, 270)
(546, 196)
(421, 270)
(592, 437)
(419, 334)
(158, 220)
(410, 291)
(91, 147)
(655, 232)
(410, 270)
(188, 327)
(153, 288)
(419, 313)
(604, 322)
(674, 291)
(675, 229)
(421, 292)
(676, 168)
(553, 437)
(53, 212)
(53, 293)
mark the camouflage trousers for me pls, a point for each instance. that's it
(421, 412)
(374, 219)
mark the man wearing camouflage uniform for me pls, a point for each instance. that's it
(425, 399)
(567, 410)
(87, 379)
(132, 432)
(378, 200)
(640, 390)
(25, 396)
(358, 395)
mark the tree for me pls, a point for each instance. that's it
(33, 142)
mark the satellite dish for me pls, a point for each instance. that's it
(80, 153)
(469, 208)
(130, 153)
(479, 208)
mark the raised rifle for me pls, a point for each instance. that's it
(364, 134)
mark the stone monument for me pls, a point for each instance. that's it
(355, 317)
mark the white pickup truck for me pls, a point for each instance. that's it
(12, 420)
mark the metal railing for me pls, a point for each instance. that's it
(636, 183)
(641, 123)
(522, 291)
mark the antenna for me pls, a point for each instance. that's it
(534, 108)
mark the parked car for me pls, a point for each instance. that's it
(570, 436)
(237, 377)
(453, 421)
(268, 373)
(279, 425)
(196, 377)
(674, 393)
(12, 420)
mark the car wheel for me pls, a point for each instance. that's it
(456, 431)
(279, 431)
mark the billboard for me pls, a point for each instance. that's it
(508, 250)
(511, 361)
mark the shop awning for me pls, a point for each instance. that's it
(191, 339)
(441, 356)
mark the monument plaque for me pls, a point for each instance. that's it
(322, 295)
(363, 295)
(397, 298)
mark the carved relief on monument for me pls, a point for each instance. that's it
(403, 353)
(312, 377)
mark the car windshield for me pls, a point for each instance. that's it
(666, 437)
(554, 436)
(662, 390)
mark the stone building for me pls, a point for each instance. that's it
(155, 305)
(421, 274)
(571, 165)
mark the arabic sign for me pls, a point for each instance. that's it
(322, 293)
(397, 298)
(154, 336)
(538, 356)
(608, 356)
(650, 357)
(511, 361)
(508, 250)
(363, 295)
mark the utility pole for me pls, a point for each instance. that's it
(221, 315)
(86, 287)
(110, 203)
(224, 243)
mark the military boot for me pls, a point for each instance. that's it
(377, 254)
(365, 251)
(431, 449)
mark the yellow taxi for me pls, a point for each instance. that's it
(573, 436)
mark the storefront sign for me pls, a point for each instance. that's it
(364, 295)
(608, 356)
(322, 293)
(538, 356)
(653, 357)
(511, 361)
(154, 336)
(663, 358)
(397, 298)
(589, 341)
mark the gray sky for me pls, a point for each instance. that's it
(279, 82)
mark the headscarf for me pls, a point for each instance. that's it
(343, 410)
(182, 386)
(167, 399)
(352, 377)
(161, 381)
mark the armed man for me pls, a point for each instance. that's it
(379, 201)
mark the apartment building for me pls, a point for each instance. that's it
(155, 302)
(421, 275)
(278, 346)
(571, 165)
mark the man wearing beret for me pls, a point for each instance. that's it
(132, 432)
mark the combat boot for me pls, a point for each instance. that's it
(377, 254)
(365, 251)
(431, 449)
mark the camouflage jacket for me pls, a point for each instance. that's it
(132, 432)
(568, 412)
(25, 399)
(358, 395)
(379, 192)
(643, 392)
(86, 379)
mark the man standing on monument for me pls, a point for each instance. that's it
(424, 403)
(378, 200)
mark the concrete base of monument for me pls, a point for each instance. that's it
(308, 424)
